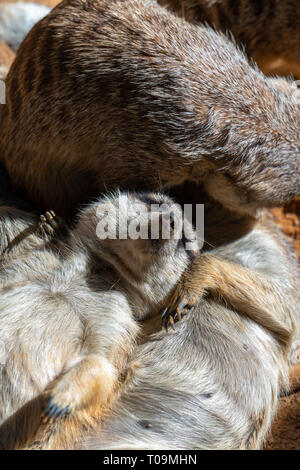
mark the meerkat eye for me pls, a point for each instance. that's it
(172, 220)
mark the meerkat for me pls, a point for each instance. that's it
(69, 315)
(254, 25)
(214, 383)
(107, 94)
(69, 308)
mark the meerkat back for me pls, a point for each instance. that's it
(254, 26)
(131, 96)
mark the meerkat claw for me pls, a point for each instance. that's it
(48, 223)
(169, 317)
(176, 310)
(54, 411)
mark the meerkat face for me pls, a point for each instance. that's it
(142, 231)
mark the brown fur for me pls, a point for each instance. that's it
(234, 294)
(246, 291)
(295, 377)
(107, 94)
(255, 25)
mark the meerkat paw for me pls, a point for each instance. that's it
(91, 380)
(63, 400)
(54, 410)
(199, 280)
(178, 306)
(48, 224)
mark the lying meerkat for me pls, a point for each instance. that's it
(215, 382)
(254, 25)
(69, 311)
(68, 315)
(131, 96)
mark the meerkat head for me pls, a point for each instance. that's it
(138, 233)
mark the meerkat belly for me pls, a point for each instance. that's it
(41, 334)
(221, 377)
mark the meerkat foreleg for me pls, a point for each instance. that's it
(249, 292)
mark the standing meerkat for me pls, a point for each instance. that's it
(255, 25)
(106, 94)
